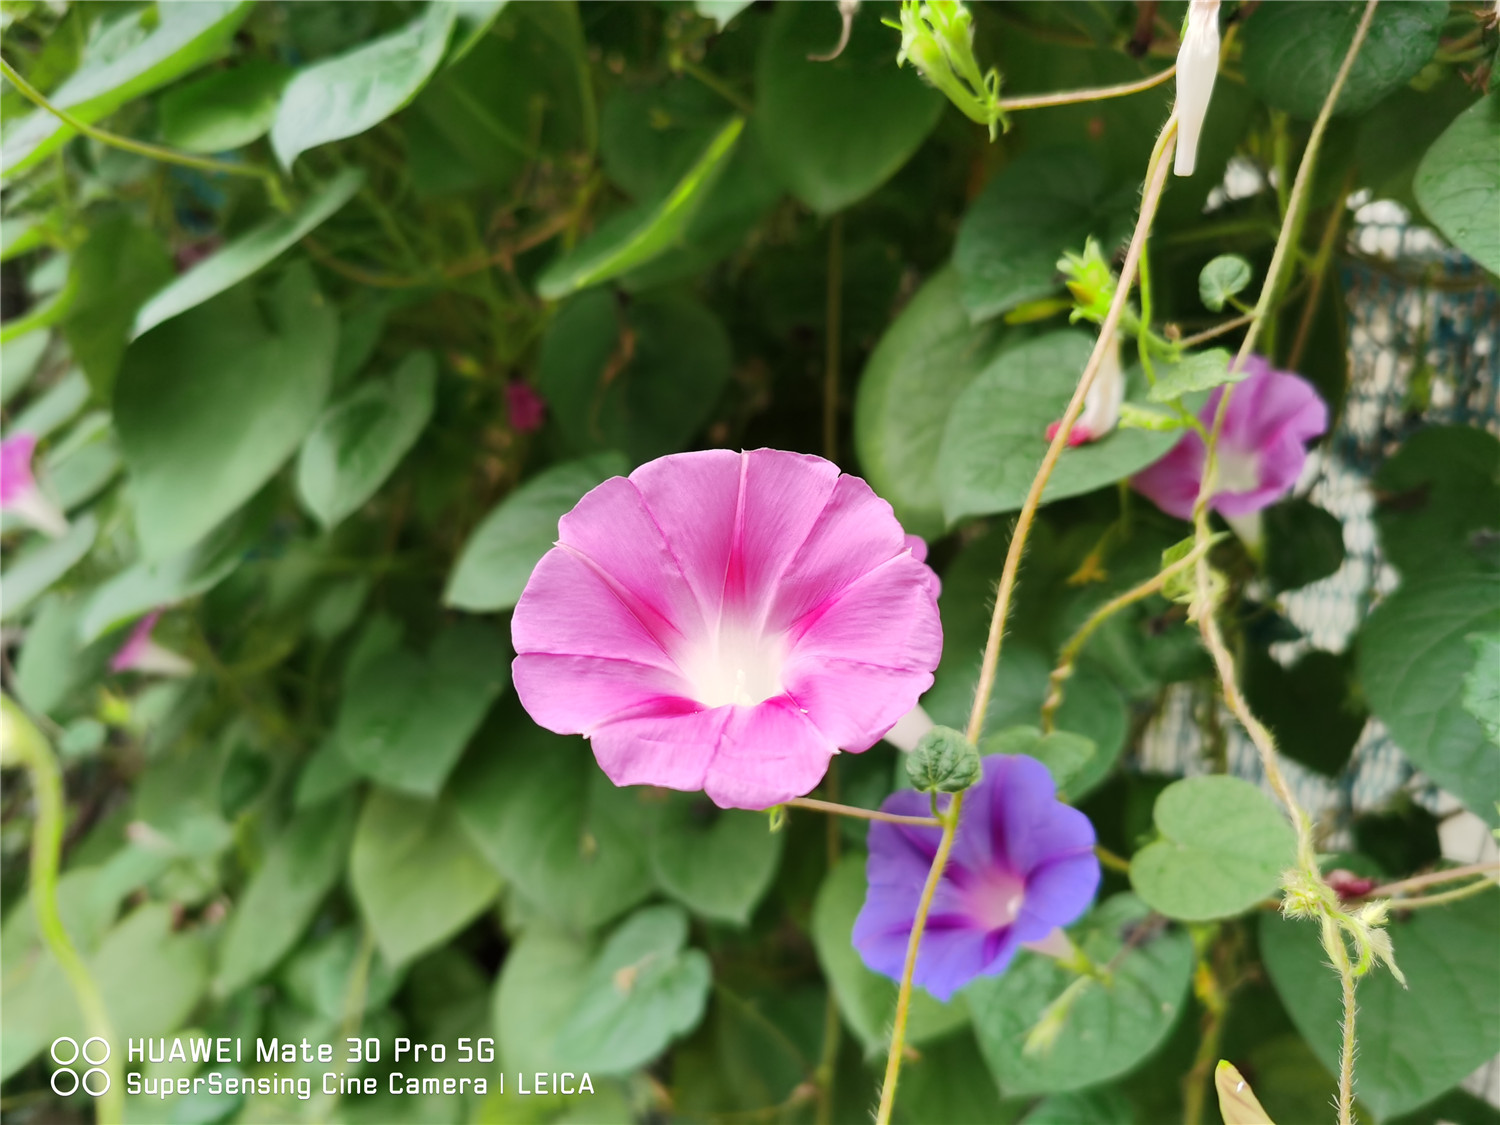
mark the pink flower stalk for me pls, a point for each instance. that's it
(19, 491)
(525, 408)
(1261, 447)
(1197, 67)
(1101, 406)
(727, 622)
(140, 653)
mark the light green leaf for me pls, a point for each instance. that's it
(1413, 654)
(720, 11)
(545, 816)
(1303, 543)
(416, 878)
(359, 440)
(640, 379)
(34, 569)
(237, 260)
(345, 95)
(1224, 845)
(317, 976)
(837, 130)
(1196, 371)
(225, 110)
(1292, 55)
(19, 358)
(642, 991)
(211, 405)
(637, 236)
(43, 314)
(123, 63)
(1458, 182)
(52, 664)
(283, 894)
(84, 461)
(926, 358)
(997, 433)
(61, 402)
(1481, 696)
(1107, 1031)
(1044, 202)
(1222, 278)
(405, 719)
(866, 999)
(1414, 1042)
(718, 863)
(503, 550)
(539, 985)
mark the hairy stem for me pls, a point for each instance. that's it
(861, 814)
(1479, 886)
(1447, 875)
(1094, 94)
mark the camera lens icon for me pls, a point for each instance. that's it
(66, 1080)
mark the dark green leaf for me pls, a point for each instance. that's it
(719, 863)
(1414, 1042)
(837, 130)
(1458, 185)
(1312, 707)
(1441, 487)
(1481, 696)
(498, 558)
(1413, 654)
(225, 110)
(1304, 543)
(211, 405)
(416, 877)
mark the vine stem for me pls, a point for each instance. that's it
(1208, 624)
(1479, 886)
(1093, 94)
(145, 148)
(861, 814)
(1156, 177)
(21, 742)
(1448, 875)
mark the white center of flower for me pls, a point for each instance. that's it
(736, 664)
(996, 898)
(1239, 470)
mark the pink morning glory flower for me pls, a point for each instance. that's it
(1272, 414)
(727, 622)
(140, 653)
(525, 408)
(1022, 866)
(19, 491)
(1101, 406)
(1197, 67)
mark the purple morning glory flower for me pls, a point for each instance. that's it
(19, 492)
(1271, 417)
(1022, 865)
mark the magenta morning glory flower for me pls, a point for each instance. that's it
(727, 622)
(140, 653)
(525, 408)
(1272, 414)
(19, 492)
(1022, 865)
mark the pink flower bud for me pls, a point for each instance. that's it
(19, 492)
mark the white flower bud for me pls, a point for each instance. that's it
(1197, 66)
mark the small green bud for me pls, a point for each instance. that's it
(1090, 280)
(943, 762)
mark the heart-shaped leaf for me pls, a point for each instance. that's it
(716, 862)
(1457, 186)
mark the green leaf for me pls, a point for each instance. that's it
(211, 405)
(640, 378)
(61, 402)
(1434, 497)
(538, 987)
(124, 63)
(1223, 847)
(34, 569)
(1293, 51)
(1414, 1042)
(1458, 185)
(19, 359)
(116, 267)
(943, 761)
(1312, 708)
(503, 550)
(997, 433)
(545, 816)
(1065, 755)
(318, 975)
(406, 719)
(1107, 1031)
(1044, 202)
(1104, 1106)
(79, 466)
(283, 894)
(52, 664)
(866, 999)
(416, 877)
(720, 11)
(1196, 371)
(246, 254)
(1303, 543)
(635, 237)
(225, 110)
(359, 440)
(837, 130)
(719, 863)
(1481, 696)
(1413, 654)
(1222, 278)
(926, 358)
(642, 991)
(355, 91)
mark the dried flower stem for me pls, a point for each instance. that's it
(1093, 94)
(862, 814)
(1208, 624)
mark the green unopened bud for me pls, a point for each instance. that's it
(943, 762)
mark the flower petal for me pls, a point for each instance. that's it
(1059, 891)
(578, 694)
(693, 498)
(1030, 826)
